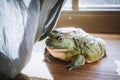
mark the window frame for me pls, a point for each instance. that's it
(90, 21)
(75, 7)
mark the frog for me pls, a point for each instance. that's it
(75, 46)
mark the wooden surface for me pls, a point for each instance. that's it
(107, 68)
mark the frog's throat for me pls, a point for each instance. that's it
(58, 53)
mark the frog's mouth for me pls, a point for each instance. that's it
(57, 50)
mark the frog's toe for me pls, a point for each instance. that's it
(73, 67)
(70, 66)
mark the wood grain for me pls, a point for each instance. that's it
(105, 69)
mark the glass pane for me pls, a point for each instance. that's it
(67, 5)
(99, 4)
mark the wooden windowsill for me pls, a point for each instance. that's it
(107, 68)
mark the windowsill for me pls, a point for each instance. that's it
(99, 9)
(105, 69)
(91, 11)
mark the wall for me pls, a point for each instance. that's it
(100, 22)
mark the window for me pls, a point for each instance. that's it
(92, 5)
(67, 5)
(99, 5)
(101, 16)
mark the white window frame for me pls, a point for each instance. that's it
(76, 7)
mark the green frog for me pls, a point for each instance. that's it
(74, 45)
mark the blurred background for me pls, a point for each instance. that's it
(94, 16)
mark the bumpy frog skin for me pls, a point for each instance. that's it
(74, 45)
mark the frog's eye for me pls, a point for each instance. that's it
(60, 38)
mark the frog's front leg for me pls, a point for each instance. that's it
(78, 61)
(47, 56)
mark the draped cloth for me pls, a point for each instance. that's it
(22, 23)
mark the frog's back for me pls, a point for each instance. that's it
(91, 47)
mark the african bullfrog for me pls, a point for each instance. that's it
(75, 46)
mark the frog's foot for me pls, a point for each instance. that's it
(70, 67)
(78, 61)
(48, 59)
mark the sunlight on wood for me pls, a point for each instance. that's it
(118, 66)
(36, 67)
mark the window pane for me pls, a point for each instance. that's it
(99, 4)
(67, 5)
